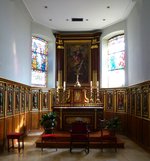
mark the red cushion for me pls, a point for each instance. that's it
(48, 135)
(14, 135)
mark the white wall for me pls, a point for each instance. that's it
(16, 30)
(113, 28)
(15, 41)
(46, 33)
(138, 36)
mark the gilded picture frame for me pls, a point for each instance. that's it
(145, 104)
(2, 100)
(10, 100)
(35, 100)
(109, 101)
(17, 99)
(138, 104)
(121, 101)
(44, 100)
(128, 103)
(77, 61)
(22, 101)
(133, 102)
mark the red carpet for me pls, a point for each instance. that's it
(63, 141)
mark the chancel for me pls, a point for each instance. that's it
(86, 64)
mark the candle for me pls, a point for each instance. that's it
(91, 84)
(64, 85)
(97, 88)
(57, 84)
(97, 84)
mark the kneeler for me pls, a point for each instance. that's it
(48, 137)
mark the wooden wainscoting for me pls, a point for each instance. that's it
(19, 108)
(2, 133)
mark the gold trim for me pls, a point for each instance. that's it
(114, 100)
(59, 42)
(94, 41)
(76, 41)
(60, 47)
(77, 38)
(94, 46)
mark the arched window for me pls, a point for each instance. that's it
(39, 62)
(114, 58)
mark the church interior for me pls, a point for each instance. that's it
(74, 69)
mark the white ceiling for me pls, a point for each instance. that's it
(96, 14)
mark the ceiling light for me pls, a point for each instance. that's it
(50, 19)
(108, 7)
(46, 7)
(104, 19)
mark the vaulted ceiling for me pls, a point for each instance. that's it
(78, 15)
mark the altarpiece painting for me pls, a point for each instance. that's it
(77, 61)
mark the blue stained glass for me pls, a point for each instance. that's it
(112, 62)
(39, 61)
(44, 64)
(39, 45)
(116, 61)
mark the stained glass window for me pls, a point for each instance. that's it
(39, 61)
(116, 61)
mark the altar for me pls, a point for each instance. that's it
(67, 115)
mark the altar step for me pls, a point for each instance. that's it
(63, 141)
(93, 145)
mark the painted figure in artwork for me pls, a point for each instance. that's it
(120, 101)
(9, 101)
(35, 100)
(78, 63)
(145, 104)
(1, 101)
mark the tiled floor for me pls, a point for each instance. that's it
(131, 152)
